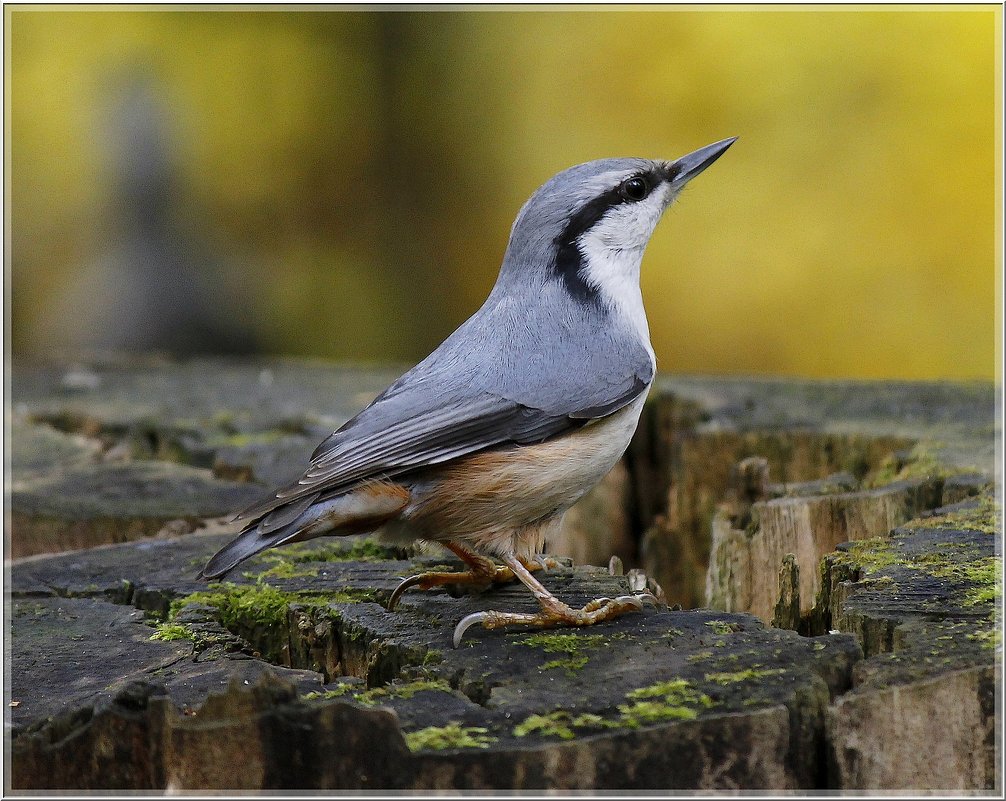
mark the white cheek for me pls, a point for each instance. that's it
(630, 225)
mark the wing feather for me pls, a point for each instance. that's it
(387, 442)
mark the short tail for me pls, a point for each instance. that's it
(364, 509)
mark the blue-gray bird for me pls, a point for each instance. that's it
(484, 445)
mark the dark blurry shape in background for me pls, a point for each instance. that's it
(152, 285)
(342, 183)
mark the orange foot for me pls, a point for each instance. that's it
(483, 572)
(553, 611)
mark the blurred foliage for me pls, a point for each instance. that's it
(348, 178)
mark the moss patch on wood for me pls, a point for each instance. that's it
(260, 612)
(749, 674)
(667, 700)
(376, 695)
(676, 699)
(570, 644)
(336, 692)
(559, 723)
(723, 627)
(983, 576)
(985, 516)
(283, 570)
(988, 638)
(261, 603)
(169, 632)
(920, 462)
(367, 550)
(448, 738)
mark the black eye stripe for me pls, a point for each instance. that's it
(568, 259)
(594, 210)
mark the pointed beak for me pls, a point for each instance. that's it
(687, 167)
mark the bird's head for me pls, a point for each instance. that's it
(589, 225)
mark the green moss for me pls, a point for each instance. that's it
(983, 576)
(986, 517)
(284, 570)
(642, 713)
(560, 723)
(201, 640)
(986, 575)
(451, 736)
(432, 657)
(337, 692)
(589, 719)
(987, 638)
(742, 675)
(565, 643)
(172, 631)
(722, 626)
(675, 692)
(876, 583)
(667, 700)
(554, 724)
(983, 579)
(371, 697)
(241, 606)
(699, 656)
(367, 550)
(379, 694)
(921, 462)
(871, 555)
(570, 663)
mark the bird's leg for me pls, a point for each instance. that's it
(553, 611)
(482, 570)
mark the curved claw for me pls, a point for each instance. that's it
(466, 623)
(634, 600)
(411, 581)
(648, 598)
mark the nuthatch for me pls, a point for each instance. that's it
(484, 445)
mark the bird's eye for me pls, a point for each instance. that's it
(635, 188)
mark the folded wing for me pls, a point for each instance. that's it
(413, 426)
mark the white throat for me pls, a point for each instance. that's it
(615, 274)
(612, 251)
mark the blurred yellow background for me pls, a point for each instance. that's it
(342, 183)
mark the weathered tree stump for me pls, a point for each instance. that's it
(128, 673)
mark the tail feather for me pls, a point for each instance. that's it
(364, 509)
(286, 514)
(248, 543)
